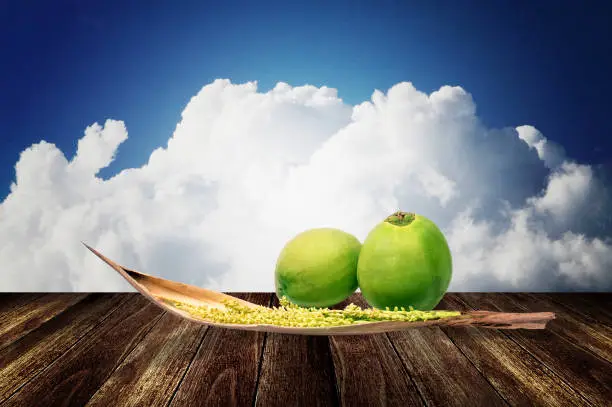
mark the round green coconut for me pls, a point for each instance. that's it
(318, 268)
(405, 261)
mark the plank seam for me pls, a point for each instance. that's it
(406, 370)
(570, 310)
(581, 313)
(578, 345)
(476, 367)
(550, 369)
(509, 336)
(24, 334)
(333, 351)
(586, 350)
(195, 354)
(261, 358)
(128, 353)
(333, 370)
(93, 328)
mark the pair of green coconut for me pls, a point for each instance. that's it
(404, 261)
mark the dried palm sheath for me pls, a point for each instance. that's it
(169, 295)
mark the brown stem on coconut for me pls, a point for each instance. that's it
(400, 218)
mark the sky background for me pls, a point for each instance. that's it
(70, 64)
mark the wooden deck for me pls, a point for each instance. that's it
(119, 349)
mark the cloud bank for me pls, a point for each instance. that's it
(245, 171)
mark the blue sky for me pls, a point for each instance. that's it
(68, 64)
(514, 183)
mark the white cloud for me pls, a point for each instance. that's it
(552, 154)
(245, 171)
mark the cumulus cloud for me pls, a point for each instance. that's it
(246, 170)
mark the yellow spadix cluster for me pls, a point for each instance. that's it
(292, 315)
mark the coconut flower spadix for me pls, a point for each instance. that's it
(214, 308)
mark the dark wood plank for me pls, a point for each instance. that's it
(595, 306)
(7, 297)
(225, 368)
(10, 301)
(592, 336)
(369, 372)
(24, 359)
(443, 375)
(585, 373)
(76, 375)
(515, 373)
(151, 372)
(602, 299)
(21, 320)
(296, 370)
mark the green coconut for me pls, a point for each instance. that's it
(318, 268)
(405, 261)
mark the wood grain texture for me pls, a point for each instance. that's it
(75, 376)
(368, 371)
(19, 321)
(156, 364)
(225, 368)
(443, 375)
(585, 373)
(120, 349)
(515, 373)
(601, 299)
(24, 359)
(296, 370)
(592, 336)
(11, 301)
(593, 306)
